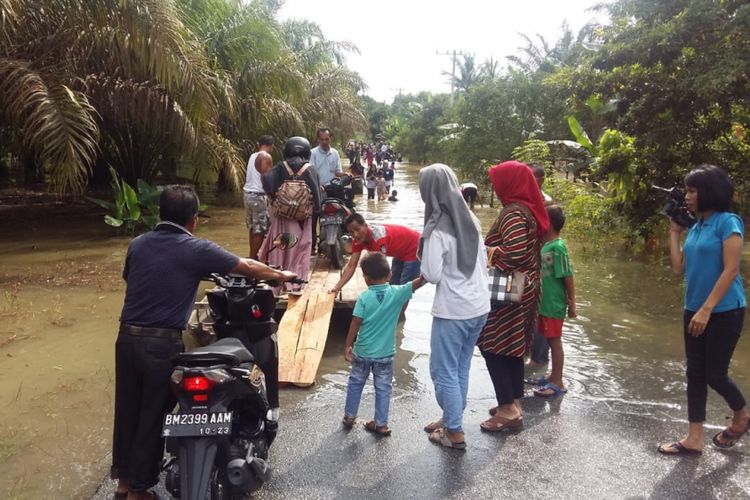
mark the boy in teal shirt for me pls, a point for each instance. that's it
(374, 326)
(558, 297)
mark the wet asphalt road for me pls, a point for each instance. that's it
(574, 447)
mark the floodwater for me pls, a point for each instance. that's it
(61, 293)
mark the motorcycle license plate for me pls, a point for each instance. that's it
(197, 424)
(335, 219)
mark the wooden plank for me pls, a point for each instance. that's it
(303, 329)
(312, 340)
(288, 336)
(291, 325)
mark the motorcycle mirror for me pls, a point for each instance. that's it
(285, 241)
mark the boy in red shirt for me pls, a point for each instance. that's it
(393, 240)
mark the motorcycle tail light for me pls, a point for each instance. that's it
(200, 398)
(330, 208)
(197, 384)
(256, 312)
(217, 376)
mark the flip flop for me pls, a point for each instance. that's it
(679, 448)
(440, 437)
(730, 436)
(500, 424)
(433, 426)
(380, 431)
(535, 380)
(549, 386)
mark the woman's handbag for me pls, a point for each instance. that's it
(506, 287)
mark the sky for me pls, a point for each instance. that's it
(399, 40)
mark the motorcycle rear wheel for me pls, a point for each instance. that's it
(336, 255)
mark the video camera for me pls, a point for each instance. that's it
(675, 207)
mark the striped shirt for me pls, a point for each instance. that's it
(510, 328)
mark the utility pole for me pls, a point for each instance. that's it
(397, 88)
(454, 58)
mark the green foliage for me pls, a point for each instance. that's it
(591, 217)
(128, 209)
(534, 152)
(581, 136)
(147, 86)
(661, 88)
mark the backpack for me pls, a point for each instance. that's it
(293, 200)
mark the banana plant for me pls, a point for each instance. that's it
(128, 207)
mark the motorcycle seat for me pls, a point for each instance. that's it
(227, 350)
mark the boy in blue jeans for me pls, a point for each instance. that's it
(374, 327)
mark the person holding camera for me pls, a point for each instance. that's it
(714, 304)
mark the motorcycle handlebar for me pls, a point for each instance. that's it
(241, 281)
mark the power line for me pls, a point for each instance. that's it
(454, 58)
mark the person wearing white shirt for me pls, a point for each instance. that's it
(256, 201)
(326, 161)
(454, 259)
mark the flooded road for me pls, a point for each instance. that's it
(61, 293)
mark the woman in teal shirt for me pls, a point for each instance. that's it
(714, 304)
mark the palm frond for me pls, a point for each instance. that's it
(10, 13)
(57, 123)
(224, 157)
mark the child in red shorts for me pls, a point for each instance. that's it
(558, 297)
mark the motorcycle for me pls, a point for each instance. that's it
(218, 439)
(335, 208)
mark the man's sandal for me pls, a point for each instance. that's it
(440, 437)
(348, 421)
(434, 426)
(383, 430)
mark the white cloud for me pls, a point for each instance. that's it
(398, 40)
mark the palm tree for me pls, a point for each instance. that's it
(490, 69)
(143, 85)
(128, 73)
(468, 74)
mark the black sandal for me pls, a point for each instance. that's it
(679, 449)
(731, 438)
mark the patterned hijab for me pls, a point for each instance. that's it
(514, 182)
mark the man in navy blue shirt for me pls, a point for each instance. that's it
(162, 269)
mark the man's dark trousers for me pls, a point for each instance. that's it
(142, 397)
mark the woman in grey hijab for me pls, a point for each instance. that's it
(454, 259)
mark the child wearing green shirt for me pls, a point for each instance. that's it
(558, 297)
(374, 327)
